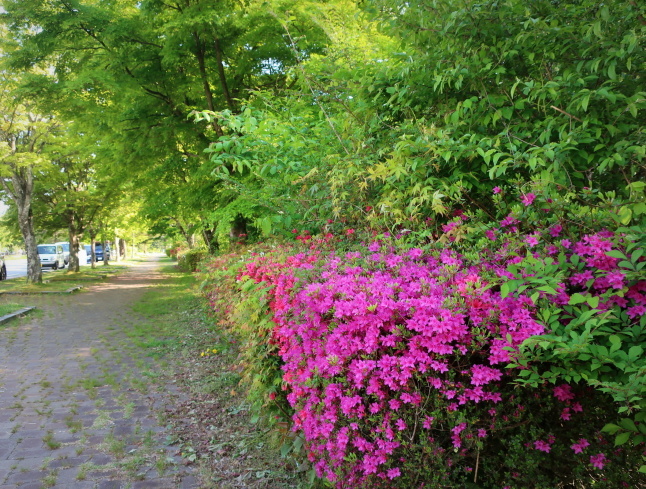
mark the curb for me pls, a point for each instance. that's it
(9, 317)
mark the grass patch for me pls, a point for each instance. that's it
(72, 424)
(61, 280)
(161, 310)
(87, 273)
(49, 440)
(9, 308)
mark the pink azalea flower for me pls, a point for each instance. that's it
(563, 392)
(543, 446)
(528, 199)
(599, 460)
(497, 190)
(580, 446)
(636, 311)
(555, 230)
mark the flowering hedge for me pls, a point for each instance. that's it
(405, 367)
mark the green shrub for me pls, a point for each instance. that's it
(189, 260)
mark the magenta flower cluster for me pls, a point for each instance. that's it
(383, 349)
(360, 333)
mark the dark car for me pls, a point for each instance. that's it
(98, 252)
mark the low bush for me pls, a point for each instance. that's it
(173, 252)
(511, 355)
(189, 260)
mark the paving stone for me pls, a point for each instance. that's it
(110, 485)
(153, 484)
(68, 462)
(27, 476)
(31, 485)
(189, 482)
(67, 477)
(81, 485)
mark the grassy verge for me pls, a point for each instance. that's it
(61, 280)
(9, 308)
(211, 425)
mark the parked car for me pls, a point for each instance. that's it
(3, 268)
(84, 258)
(82, 254)
(51, 256)
(66, 251)
(98, 252)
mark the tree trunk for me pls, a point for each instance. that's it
(210, 240)
(117, 249)
(26, 223)
(188, 237)
(74, 265)
(93, 249)
(222, 75)
(199, 54)
(106, 253)
(21, 191)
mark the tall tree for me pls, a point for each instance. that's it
(76, 190)
(24, 133)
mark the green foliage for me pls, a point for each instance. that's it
(242, 307)
(539, 91)
(189, 260)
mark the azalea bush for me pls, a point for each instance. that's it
(423, 367)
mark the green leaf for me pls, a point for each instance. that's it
(593, 301)
(610, 428)
(504, 290)
(615, 341)
(548, 289)
(577, 299)
(616, 254)
(635, 352)
(628, 424)
(622, 438)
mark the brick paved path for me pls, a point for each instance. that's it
(74, 412)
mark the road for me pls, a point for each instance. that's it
(18, 268)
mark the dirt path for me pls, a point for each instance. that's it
(74, 411)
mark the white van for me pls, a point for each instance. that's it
(51, 256)
(66, 251)
(84, 259)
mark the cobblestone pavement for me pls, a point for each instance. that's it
(74, 410)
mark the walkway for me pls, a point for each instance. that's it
(74, 411)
